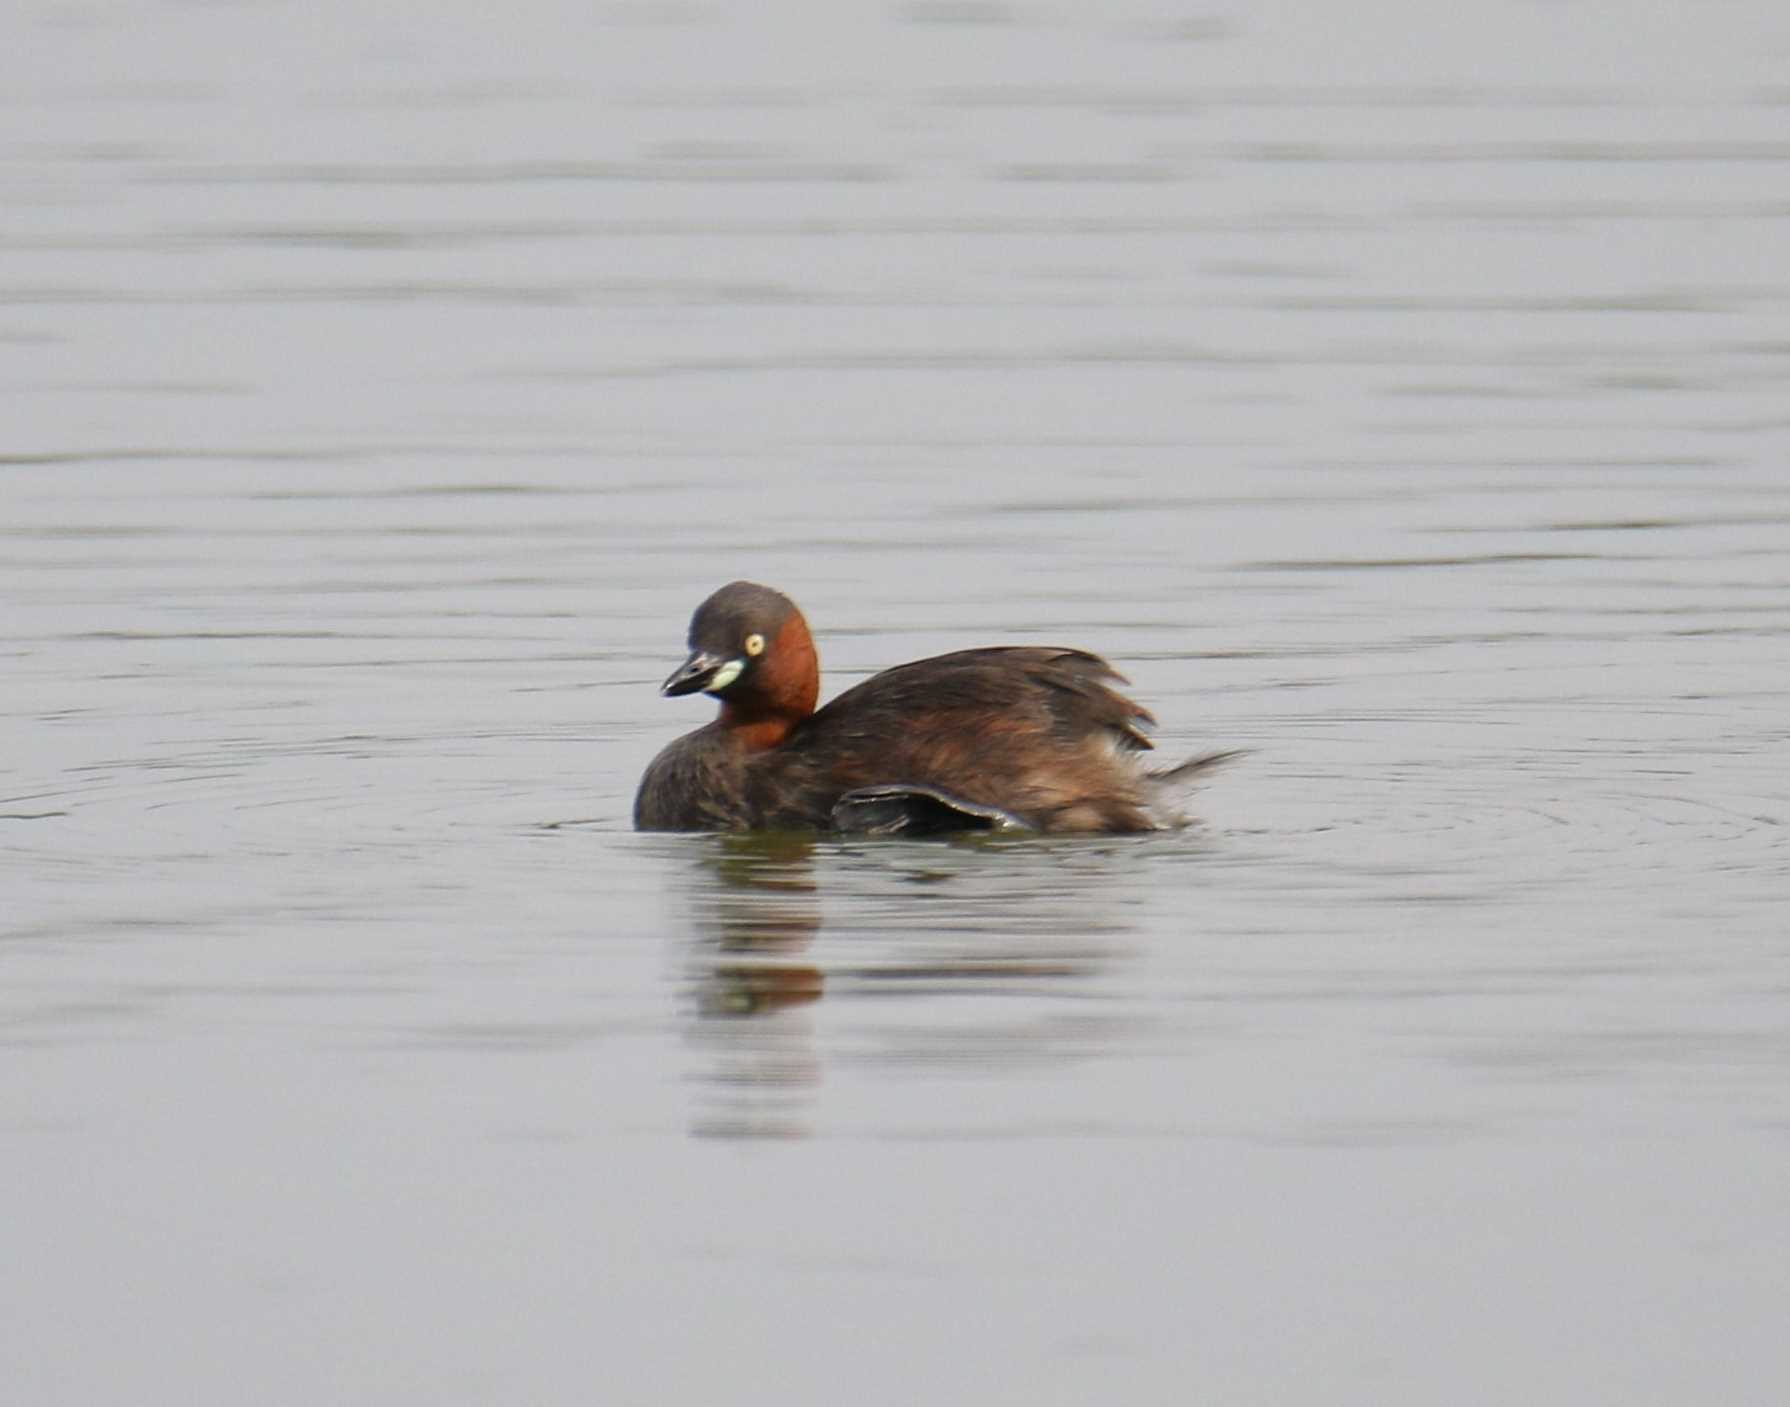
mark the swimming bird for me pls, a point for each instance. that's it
(1008, 738)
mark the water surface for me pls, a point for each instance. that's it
(1402, 400)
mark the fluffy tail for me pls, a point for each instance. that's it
(1186, 773)
(1168, 787)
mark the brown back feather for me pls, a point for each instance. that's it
(1037, 731)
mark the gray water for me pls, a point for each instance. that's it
(1400, 394)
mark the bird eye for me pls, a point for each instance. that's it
(755, 644)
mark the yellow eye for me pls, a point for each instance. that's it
(755, 644)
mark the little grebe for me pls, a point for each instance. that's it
(1009, 738)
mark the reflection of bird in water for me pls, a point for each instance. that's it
(756, 912)
(764, 909)
(945, 926)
